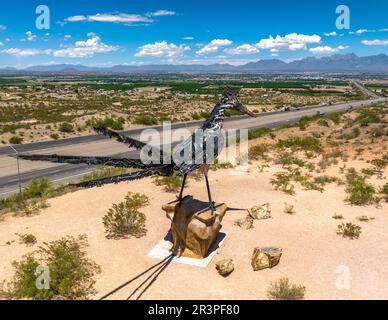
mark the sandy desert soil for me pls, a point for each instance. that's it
(314, 255)
(312, 249)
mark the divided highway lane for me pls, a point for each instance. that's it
(89, 145)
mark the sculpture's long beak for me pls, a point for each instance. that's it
(245, 110)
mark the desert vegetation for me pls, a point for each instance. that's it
(70, 272)
(283, 289)
(125, 219)
(34, 109)
(306, 151)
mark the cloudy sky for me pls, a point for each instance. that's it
(105, 33)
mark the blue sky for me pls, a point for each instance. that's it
(105, 33)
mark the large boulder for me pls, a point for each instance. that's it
(260, 212)
(265, 257)
(225, 267)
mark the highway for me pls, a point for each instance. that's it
(100, 146)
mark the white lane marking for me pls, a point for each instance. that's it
(57, 180)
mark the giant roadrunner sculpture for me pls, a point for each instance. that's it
(199, 150)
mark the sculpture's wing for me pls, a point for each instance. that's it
(116, 179)
(132, 143)
(107, 161)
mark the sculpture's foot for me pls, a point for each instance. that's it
(212, 207)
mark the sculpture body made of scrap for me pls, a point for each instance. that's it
(201, 149)
(194, 229)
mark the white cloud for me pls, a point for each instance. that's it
(124, 18)
(84, 49)
(81, 49)
(289, 42)
(375, 42)
(30, 36)
(112, 18)
(67, 37)
(2, 27)
(76, 19)
(243, 49)
(327, 49)
(161, 49)
(22, 52)
(361, 31)
(214, 46)
(161, 13)
(384, 29)
(1, 44)
(330, 34)
(188, 38)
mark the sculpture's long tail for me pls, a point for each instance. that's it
(143, 169)
(163, 170)
(106, 161)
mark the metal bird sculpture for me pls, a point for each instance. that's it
(199, 150)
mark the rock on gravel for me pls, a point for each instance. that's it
(265, 257)
(225, 267)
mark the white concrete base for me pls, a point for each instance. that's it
(163, 249)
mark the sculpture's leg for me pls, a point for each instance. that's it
(211, 203)
(180, 197)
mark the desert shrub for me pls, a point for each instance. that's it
(367, 116)
(71, 272)
(165, 118)
(359, 191)
(66, 127)
(282, 181)
(115, 124)
(380, 163)
(27, 239)
(302, 143)
(384, 192)
(170, 183)
(287, 158)
(221, 165)
(337, 216)
(323, 123)
(304, 122)
(200, 115)
(31, 199)
(15, 140)
(335, 117)
(377, 132)
(258, 152)
(354, 133)
(54, 136)
(104, 172)
(323, 180)
(364, 218)
(282, 289)
(349, 230)
(146, 120)
(124, 219)
(259, 132)
(37, 188)
(196, 116)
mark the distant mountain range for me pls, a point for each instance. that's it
(335, 63)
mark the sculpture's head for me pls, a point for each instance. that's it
(230, 100)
